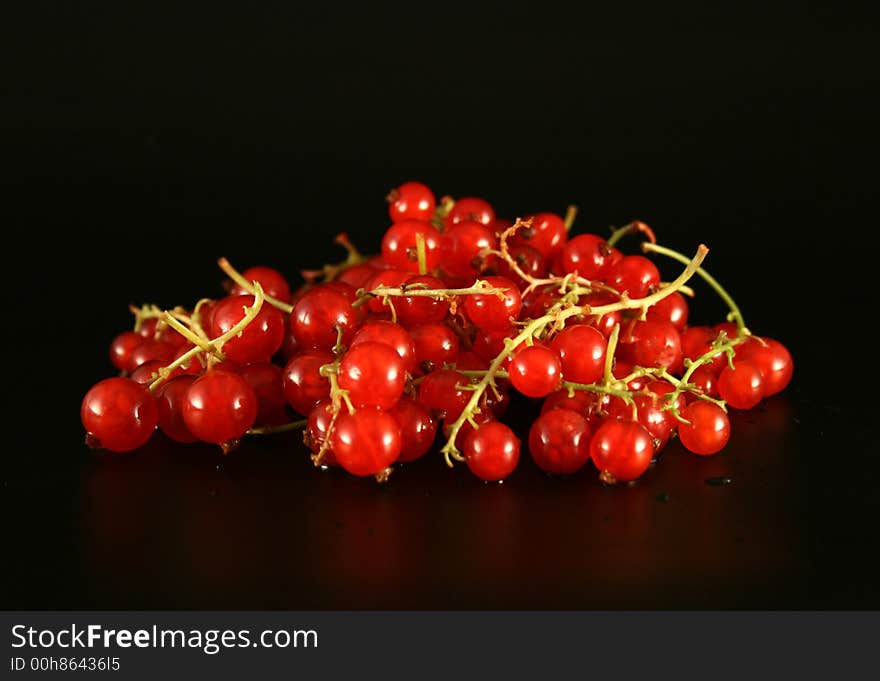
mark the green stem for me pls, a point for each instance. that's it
(283, 428)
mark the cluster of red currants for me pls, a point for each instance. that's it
(458, 310)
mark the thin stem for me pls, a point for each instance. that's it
(735, 313)
(187, 333)
(634, 227)
(608, 375)
(331, 272)
(570, 215)
(479, 286)
(236, 276)
(283, 428)
(420, 253)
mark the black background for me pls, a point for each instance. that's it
(140, 145)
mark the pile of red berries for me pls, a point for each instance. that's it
(459, 309)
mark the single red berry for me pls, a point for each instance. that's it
(373, 374)
(421, 309)
(621, 449)
(742, 385)
(546, 235)
(150, 349)
(772, 358)
(318, 316)
(490, 311)
(634, 275)
(580, 401)
(697, 341)
(707, 430)
(705, 380)
(147, 372)
(653, 344)
(259, 340)
(365, 442)
(357, 276)
(468, 360)
(317, 425)
(471, 208)
(606, 322)
(659, 422)
(435, 345)
(582, 352)
(272, 281)
(559, 441)
(587, 254)
(170, 398)
(417, 428)
(118, 415)
(488, 343)
(390, 334)
(122, 349)
(661, 389)
(492, 451)
(399, 245)
(266, 380)
(673, 309)
(730, 329)
(530, 262)
(440, 392)
(535, 370)
(388, 278)
(302, 382)
(463, 246)
(411, 201)
(219, 407)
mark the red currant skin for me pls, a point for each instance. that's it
(606, 323)
(365, 442)
(435, 345)
(488, 311)
(391, 278)
(582, 351)
(661, 389)
(673, 309)
(219, 407)
(302, 382)
(399, 245)
(439, 391)
(357, 276)
(266, 381)
(150, 350)
(417, 428)
(121, 349)
(546, 235)
(317, 425)
(118, 415)
(697, 341)
(707, 430)
(705, 380)
(623, 449)
(535, 371)
(390, 334)
(273, 282)
(559, 441)
(462, 246)
(471, 208)
(420, 309)
(170, 398)
(147, 372)
(487, 344)
(529, 261)
(773, 359)
(317, 316)
(411, 201)
(587, 254)
(654, 344)
(373, 374)
(492, 451)
(634, 275)
(651, 415)
(580, 401)
(259, 340)
(742, 385)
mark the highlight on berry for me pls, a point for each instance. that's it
(378, 357)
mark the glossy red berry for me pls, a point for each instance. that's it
(471, 208)
(463, 246)
(147, 372)
(707, 430)
(302, 382)
(169, 399)
(606, 322)
(390, 334)
(388, 278)
(399, 245)
(772, 358)
(492, 451)
(653, 344)
(697, 341)
(530, 262)
(706, 380)
(122, 348)
(673, 309)
(272, 281)
(623, 449)
(489, 311)
(559, 441)
(365, 442)
(535, 371)
(439, 391)
(259, 340)
(417, 428)
(317, 426)
(421, 309)
(587, 254)
(319, 314)
(659, 422)
(357, 276)
(150, 349)
(634, 275)
(580, 401)
(546, 235)
(742, 385)
(219, 407)
(266, 381)
(118, 415)
(435, 344)
(582, 352)
(411, 201)
(373, 374)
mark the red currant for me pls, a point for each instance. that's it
(302, 382)
(273, 282)
(654, 344)
(582, 351)
(420, 309)
(259, 340)
(742, 385)
(772, 358)
(319, 314)
(317, 425)
(673, 309)
(697, 341)
(122, 349)
(623, 449)
(373, 374)
(389, 278)
(266, 381)
(471, 208)
(147, 372)
(119, 415)
(411, 201)
(170, 398)
(559, 441)
(657, 421)
(535, 371)
(439, 391)
(587, 254)
(488, 311)
(365, 442)
(391, 334)
(492, 451)
(435, 345)
(463, 244)
(417, 428)
(579, 401)
(546, 235)
(150, 349)
(707, 430)
(634, 275)
(399, 247)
